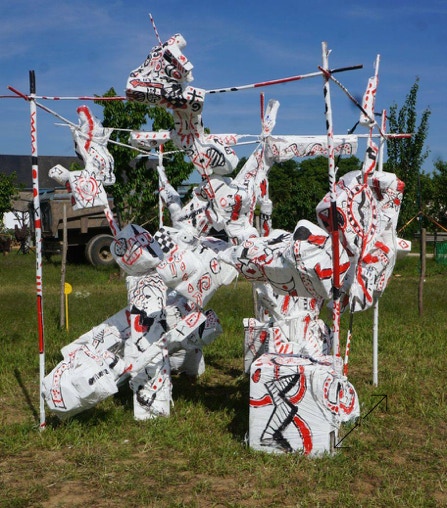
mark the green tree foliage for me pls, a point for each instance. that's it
(8, 192)
(135, 191)
(406, 156)
(435, 197)
(297, 187)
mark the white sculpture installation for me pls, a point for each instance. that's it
(299, 394)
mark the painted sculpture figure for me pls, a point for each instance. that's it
(299, 393)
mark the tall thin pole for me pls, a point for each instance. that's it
(160, 186)
(38, 237)
(376, 343)
(333, 204)
(63, 268)
(283, 80)
(376, 303)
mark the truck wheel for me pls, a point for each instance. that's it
(97, 251)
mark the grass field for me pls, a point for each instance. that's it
(395, 456)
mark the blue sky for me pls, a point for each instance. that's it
(86, 47)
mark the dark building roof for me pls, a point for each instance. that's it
(21, 165)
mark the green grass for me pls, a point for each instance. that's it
(198, 457)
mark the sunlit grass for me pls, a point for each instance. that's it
(198, 456)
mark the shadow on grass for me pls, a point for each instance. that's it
(227, 391)
(217, 396)
(26, 395)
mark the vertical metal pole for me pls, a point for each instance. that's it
(376, 343)
(63, 268)
(38, 235)
(333, 205)
(376, 303)
(422, 272)
(160, 185)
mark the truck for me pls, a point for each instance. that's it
(88, 233)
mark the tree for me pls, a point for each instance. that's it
(435, 197)
(135, 190)
(297, 188)
(8, 192)
(406, 156)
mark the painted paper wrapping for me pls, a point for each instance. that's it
(231, 207)
(388, 190)
(157, 331)
(403, 247)
(284, 148)
(87, 185)
(81, 381)
(189, 267)
(367, 213)
(135, 250)
(368, 103)
(159, 78)
(300, 334)
(256, 337)
(162, 80)
(271, 305)
(298, 264)
(152, 387)
(91, 368)
(86, 191)
(297, 405)
(191, 362)
(90, 140)
(108, 335)
(147, 302)
(195, 215)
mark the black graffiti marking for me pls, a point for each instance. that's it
(98, 376)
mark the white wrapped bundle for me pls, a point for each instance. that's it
(297, 318)
(81, 380)
(284, 148)
(295, 265)
(86, 190)
(260, 259)
(357, 213)
(152, 388)
(299, 335)
(403, 247)
(369, 99)
(311, 256)
(161, 75)
(147, 140)
(135, 250)
(297, 405)
(368, 214)
(280, 307)
(311, 335)
(90, 139)
(189, 362)
(192, 269)
(231, 206)
(208, 153)
(147, 301)
(255, 340)
(91, 368)
(388, 190)
(109, 335)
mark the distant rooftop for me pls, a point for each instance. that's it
(21, 165)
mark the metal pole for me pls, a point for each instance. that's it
(376, 303)
(333, 205)
(38, 235)
(376, 343)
